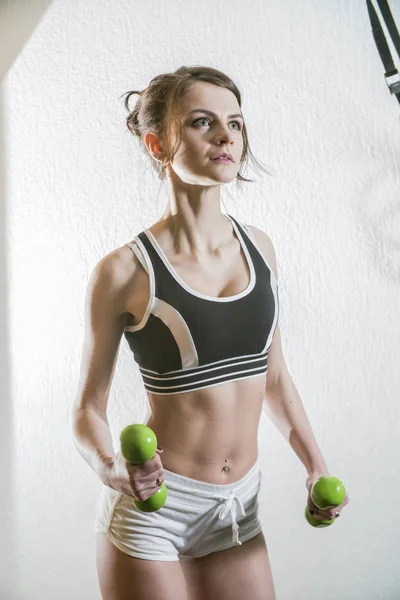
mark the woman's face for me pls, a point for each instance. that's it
(205, 135)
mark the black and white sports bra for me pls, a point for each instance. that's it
(186, 340)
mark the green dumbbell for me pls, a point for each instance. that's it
(138, 445)
(326, 492)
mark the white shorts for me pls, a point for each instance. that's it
(198, 518)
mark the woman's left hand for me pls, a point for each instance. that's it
(318, 513)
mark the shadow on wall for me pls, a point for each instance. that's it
(18, 20)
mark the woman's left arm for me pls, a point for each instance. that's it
(283, 405)
(282, 402)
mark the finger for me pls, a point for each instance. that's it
(329, 513)
(322, 515)
(311, 506)
(344, 503)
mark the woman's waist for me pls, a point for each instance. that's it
(218, 471)
(213, 458)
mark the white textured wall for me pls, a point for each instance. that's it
(321, 118)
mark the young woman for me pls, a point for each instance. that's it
(196, 297)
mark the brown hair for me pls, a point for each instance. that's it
(155, 111)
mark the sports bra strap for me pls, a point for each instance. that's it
(134, 247)
(249, 232)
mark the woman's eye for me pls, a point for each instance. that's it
(207, 121)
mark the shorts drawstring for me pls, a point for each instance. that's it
(230, 505)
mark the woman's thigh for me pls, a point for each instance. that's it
(123, 577)
(238, 573)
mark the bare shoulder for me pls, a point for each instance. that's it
(118, 264)
(266, 246)
(123, 261)
(117, 270)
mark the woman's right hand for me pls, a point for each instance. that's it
(138, 481)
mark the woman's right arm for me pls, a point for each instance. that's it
(104, 325)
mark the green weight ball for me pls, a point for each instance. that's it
(315, 522)
(138, 443)
(327, 492)
(155, 502)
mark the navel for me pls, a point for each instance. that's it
(225, 469)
